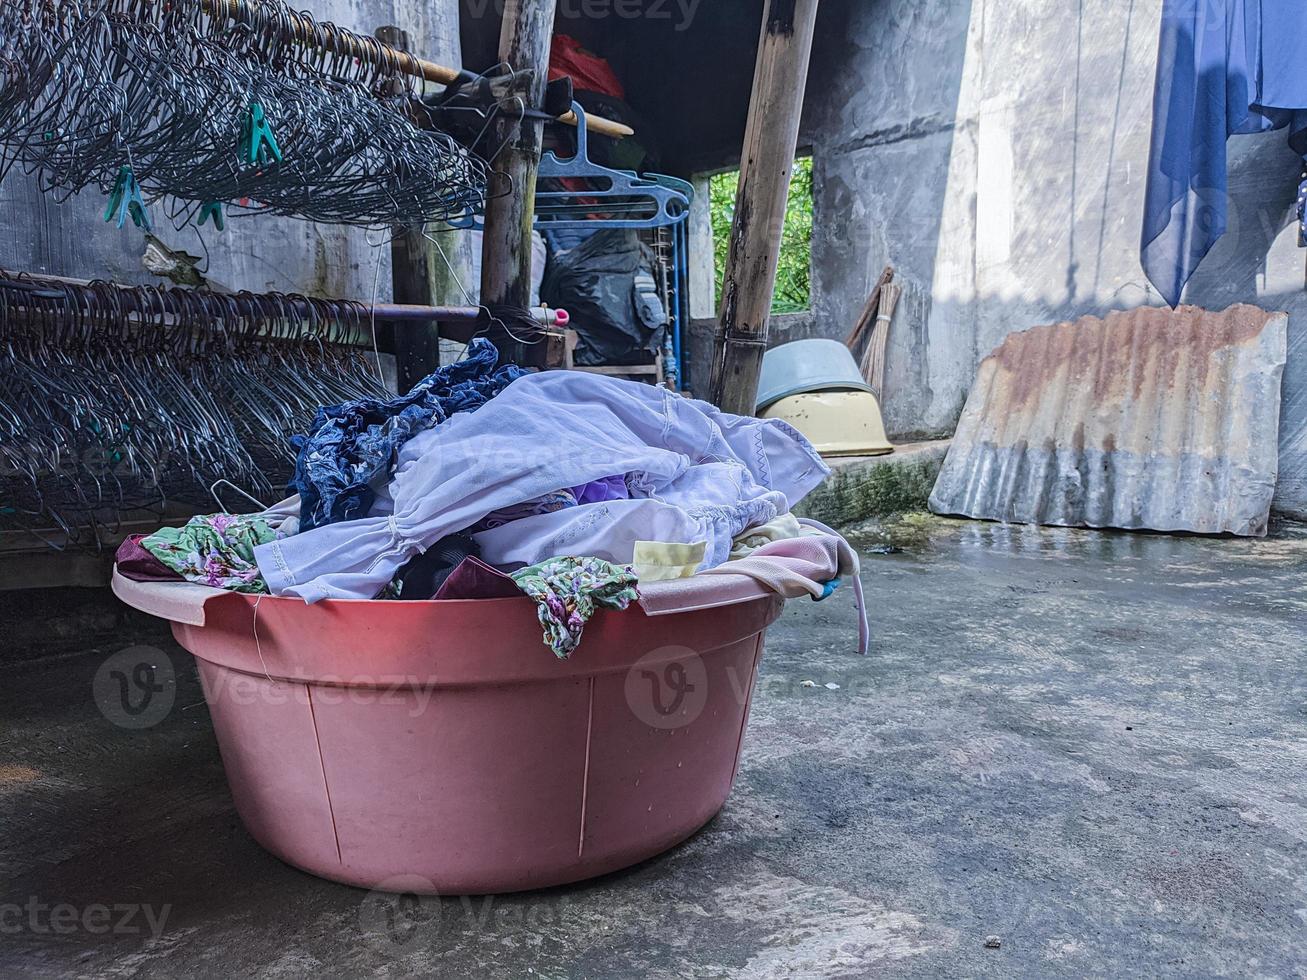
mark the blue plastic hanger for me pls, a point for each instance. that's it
(610, 198)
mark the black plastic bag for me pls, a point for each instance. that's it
(617, 319)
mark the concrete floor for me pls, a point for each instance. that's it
(1090, 745)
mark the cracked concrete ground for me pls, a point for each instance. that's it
(1089, 745)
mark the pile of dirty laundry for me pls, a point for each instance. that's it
(486, 481)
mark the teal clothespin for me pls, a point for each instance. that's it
(260, 141)
(213, 210)
(125, 199)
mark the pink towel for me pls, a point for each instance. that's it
(791, 568)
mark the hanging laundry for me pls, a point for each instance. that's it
(568, 592)
(694, 474)
(351, 447)
(1224, 67)
(215, 550)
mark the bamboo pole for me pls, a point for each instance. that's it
(219, 306)
(359, 47)
(524, 40)
(415, 344)
(770, 141)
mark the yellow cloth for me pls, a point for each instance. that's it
(658, 561)
(783, 527)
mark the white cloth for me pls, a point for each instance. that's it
(714, 494)
(784, 527)
(695, 473)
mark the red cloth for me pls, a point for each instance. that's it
(474, 579)
(137, 564)
(587, 70)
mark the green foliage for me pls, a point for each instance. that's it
(792, 276)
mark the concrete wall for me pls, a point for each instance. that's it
(994, 151)
(256, 253)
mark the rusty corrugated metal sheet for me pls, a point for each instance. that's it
(1147, 418)
(1291, 485)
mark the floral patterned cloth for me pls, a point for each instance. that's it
(568, 591)
(215, 550)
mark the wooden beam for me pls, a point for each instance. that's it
(770, 141)
(524, 41)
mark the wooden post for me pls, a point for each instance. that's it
(524, 41)
(770, 141)
(415, 343)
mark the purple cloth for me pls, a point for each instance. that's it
(597, 491)
(474, 579)
(548, 504)
(137, 564)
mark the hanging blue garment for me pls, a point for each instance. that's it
(352, 447)
(1224, 67)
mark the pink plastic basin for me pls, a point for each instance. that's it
(396, 744)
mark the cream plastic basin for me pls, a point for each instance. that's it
(837, 423)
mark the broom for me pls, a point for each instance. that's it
(873, 359)
(867, 318)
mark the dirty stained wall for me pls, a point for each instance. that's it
(256, 253)
(994, 151)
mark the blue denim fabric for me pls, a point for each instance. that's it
(352, 447)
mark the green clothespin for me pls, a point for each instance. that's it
(125, 199)
(213, 210)
(118, 455)
(260, 142)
